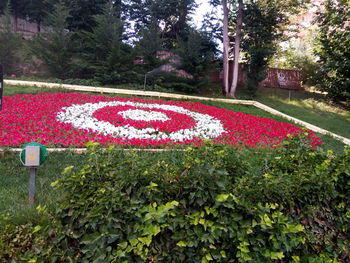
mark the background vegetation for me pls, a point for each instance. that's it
(118, 42)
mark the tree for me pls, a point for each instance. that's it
(82, 12)
(237, 48)
(196, 53)
(105, 54)
(334, 49)
(171, 16)
(262, 29)
(149, 44)
(33, 10)
(55, 47)
(226, 47)
(10, 43)
(263, 23)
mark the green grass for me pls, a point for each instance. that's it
(13, 90)
(14, 180)
(309, 107)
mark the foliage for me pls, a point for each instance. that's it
(147, 47)
(171, 14)
(16, 240)
(56, 47)
(263, 27)
(82, 13)
(196, 52)
(311, 185)
(10, 44)
(105, 56)
(204, 204)
(334, 50)
(262, 30)
(298, 54)
(171, 82)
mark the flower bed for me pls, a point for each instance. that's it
(73, 119)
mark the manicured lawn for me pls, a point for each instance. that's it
(309, 107)
(14, 182)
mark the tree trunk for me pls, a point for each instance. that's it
(237, 49)
(226, 44)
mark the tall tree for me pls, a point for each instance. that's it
(226, 47)
(196, 53)
(105, 53)
(334, 49)
(149, 44)
(172, 17)
(55, 47)
(262, 29)
(237, 49)
(82, 12)
(10, 43)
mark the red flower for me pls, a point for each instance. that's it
(33, 118)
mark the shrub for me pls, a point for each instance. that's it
(205, 204)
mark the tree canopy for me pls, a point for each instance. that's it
(334, 49)
(105, 36)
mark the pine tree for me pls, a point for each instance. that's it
(104, 52)
(10, 43)
(55, 47)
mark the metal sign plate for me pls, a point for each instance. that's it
(42, 154)
(32, 158)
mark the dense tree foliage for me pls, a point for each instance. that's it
(105, 55)
(115, 41)
(9, 43)
(334, 50)
(55, 47)
(171, 15)
(82, 13)
(261, 31)
(88, 42)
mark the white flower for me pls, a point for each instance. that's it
(81, 117)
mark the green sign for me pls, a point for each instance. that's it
(43, 152)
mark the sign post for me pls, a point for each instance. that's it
(32, 156)
(1, 85)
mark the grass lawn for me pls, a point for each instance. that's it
(309, 107)
(14, 183)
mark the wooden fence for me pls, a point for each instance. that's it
(276, 78)
(24, 27)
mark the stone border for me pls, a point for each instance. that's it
(173, 96)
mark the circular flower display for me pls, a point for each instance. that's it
(73, 119)
(81, 117)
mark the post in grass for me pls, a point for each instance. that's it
(32, 156)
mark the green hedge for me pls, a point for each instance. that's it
(208, 204)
